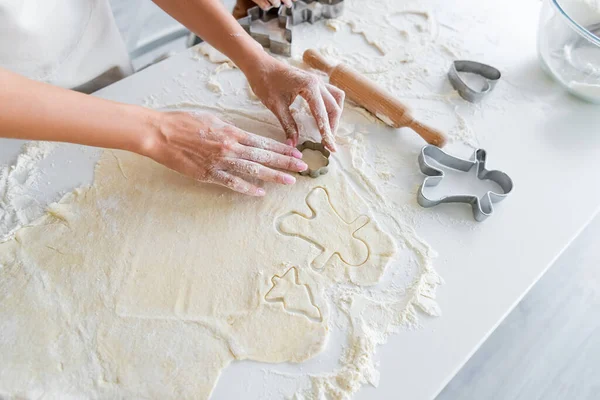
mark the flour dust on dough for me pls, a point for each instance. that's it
(147, 284)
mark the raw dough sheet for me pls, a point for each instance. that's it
(147, 284)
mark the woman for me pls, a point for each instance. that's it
(50, 46)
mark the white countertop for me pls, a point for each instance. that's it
(548, 141)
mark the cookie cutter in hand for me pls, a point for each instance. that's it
(482, 207)
(301, 11)
(491, 75)
(317, 147)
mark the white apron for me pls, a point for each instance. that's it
(74, 44)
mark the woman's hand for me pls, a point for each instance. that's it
(277, 85)
(266, 4)
(207, 149)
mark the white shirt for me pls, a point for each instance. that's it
(69, 43)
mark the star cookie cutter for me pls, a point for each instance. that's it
(310, 145)
(491, 75)
(278, 45)
(482, 207)
(301, 11)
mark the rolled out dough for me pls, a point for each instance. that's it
(147, 284)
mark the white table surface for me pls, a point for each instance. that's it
(548, 141)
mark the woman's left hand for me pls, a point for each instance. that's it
(277, 85)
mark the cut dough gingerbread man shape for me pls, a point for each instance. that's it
(327, 230)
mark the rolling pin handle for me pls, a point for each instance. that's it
(431, 135)
(315, 60)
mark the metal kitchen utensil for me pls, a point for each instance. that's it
(482, 207)
(301, 11)
(314, 10)
(278, 45)
(310, 145)
(491, 74)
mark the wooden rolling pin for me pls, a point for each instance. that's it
(372, 97)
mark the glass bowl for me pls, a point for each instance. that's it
(569, 45)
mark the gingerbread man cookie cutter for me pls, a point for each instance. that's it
(482, 207)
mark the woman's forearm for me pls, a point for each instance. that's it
(200, 146)
(38, 111)
(212, 22)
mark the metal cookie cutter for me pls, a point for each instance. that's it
(320, 148)
(279, 45)
(482, 207)
(301, 11)
(314, 10)
(491, 74)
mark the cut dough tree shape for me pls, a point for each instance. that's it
(295, 296)
(327, 230)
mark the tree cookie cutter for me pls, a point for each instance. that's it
(491, 75)
(301, 11)
(310, 145)
(482, 207)
(278, 45)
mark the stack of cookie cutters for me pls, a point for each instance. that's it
(301, 11)
(482, 207)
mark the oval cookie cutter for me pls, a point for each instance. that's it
(310, 145)
(491, 75)
(482, 207)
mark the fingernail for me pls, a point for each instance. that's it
(297, 153)
(289, 180)
(260, 192)
(301, 166)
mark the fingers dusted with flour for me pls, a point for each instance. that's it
(210, 150)
(266, 4)
(277, 85)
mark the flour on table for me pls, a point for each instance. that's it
(463, 132)
(334, 24)
(380, 21)
(17, 206)
(413, 53)
(214, 56)
(214, 86)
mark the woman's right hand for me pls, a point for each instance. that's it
(205, 148)
(267, 4)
